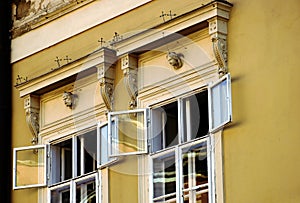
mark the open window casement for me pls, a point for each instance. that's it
(30, 167)
(220, 112)
(103, 146)
(128, 132)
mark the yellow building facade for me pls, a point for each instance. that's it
(155, 101)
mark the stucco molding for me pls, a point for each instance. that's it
(32, 112)
(172, 87)
(54, 76)
(218, 33)
(129, 66)
(106, 76)
(28, 43)
(144, 39)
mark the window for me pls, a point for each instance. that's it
(74, 157)
(220, 103)
(180, 174)
(190, 113)
(127, 132)
(68, 166)
(103, 146)
(74, 162)
(181, 156)
(83, 189)
(73, 168)
(194, 168)
(29, 168)
(164, 177)
(179, 150)
(177, 122)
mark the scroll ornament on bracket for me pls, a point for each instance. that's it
(31, 106)
(220, 52)
(106, 90)
(218, 33)
(129, 67)
(106, 76)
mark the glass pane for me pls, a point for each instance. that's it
(104, 145)
(171, 124)
(164, 178)
(86, 191)
(202, 195)
(61, 195)
(165, 126)
(195, 116)
(194, 171)
(220, 104)
(130, 134)
(87, 152)
(30, 167)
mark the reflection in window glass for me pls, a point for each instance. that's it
(104, 158)
(30, 168)
(61, 161)
(195, 116)
(86, 191)
(165, 125)
(87, 152)
(61, 195)
(195, 174)
(128, 133)
(220, 111)
(164, 178)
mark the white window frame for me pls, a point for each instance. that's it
(87, 177)
(75, 172)
(76, 177)
(111, 160)
(45, 159)
(177, 150)
(61, 185)
(71, 184)
(221, 100)
(52, 184)
(156, 155)
(225, 101)
(113, 119)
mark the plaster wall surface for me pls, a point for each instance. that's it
(261, 147)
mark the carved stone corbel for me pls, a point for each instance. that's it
(32, 110)
(106, 77)
(129, 67)
(218, 33)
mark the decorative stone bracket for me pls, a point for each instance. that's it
(32, 109)
(129, 66)
(106, 76)
(218, 33)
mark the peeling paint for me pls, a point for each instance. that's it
(28, 12)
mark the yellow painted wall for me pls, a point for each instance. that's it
(123, 181)
(21, 137)
(261, 148)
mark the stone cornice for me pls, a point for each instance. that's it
(145, 38)
(62, 73)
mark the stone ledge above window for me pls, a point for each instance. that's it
(83, 80)
(156, 36)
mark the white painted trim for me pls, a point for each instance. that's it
(35, 147)
(146, 37)
(99, 11)
(227, 100)
(113, 154)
